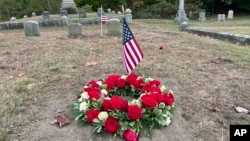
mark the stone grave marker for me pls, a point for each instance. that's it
(190, 14)
(45, 16)
(70, 6)
(202, 16)
(114, 27)
(64, 20)
(75, 29)
(221, 17)
(230, 15)
(12, 18)
(181, 14)
(109, 10)
(64, 13)
(82, 14)
(113, 12)
(31, 28)
(25, 16)
(99, 11)
(128, 16)
(119, 13)
(33, 14)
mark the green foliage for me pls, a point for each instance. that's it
(156, 11)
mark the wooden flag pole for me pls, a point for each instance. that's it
(122, 11)
(101, 20)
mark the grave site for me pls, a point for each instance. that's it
(105, 76)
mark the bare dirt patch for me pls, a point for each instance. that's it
(41, 75)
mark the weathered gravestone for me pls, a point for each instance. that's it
(45, 16)
(128, 16)
(75, 29)
(114, 27)
(230, 15)
(183, 26)
(31, 28)
(64, 20)
(82, 14)
(70, 6)
(181, 15)
(12, 18)
(221, 17)
(109, 10)
(25, 16)
(100, 11)
(33, 14)
(64, 13)
(113, 12)
(202, 16)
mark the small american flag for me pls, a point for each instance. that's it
(132, 54)
(104, 18)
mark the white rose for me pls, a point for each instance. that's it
(103, 116)
(85, 95)
(104, 92)
(163, 88)
(99, 83)
(123, 76)
(84, 106)
(136, 102)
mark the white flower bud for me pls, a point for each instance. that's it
(85, 95)
(104, 92)
(103, 116)
(99, 83)
(84, 106)
(123, 76)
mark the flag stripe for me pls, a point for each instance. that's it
(132, 54)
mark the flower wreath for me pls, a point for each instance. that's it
(104, 104)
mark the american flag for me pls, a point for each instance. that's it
(132, 54)
(104, 18)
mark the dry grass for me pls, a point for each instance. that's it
(42, 74)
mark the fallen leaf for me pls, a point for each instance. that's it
(20, 74)
(91, 63)
(68, 86)
(61, 119)
(241, 110)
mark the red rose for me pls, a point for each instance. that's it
(157, 96)
(167, 99)
(106, 104)
(111, 125)
(148, 101)
(146, 88)
(110, 84)
(93, 84)
(134, 112)
(155, 82)
(118, 103)
(131, 78)
(121, 83)
(138, 84)
(94, 94)
(92, 114)
(155, 90)
(130, 135)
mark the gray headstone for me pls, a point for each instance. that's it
(25, 16)
(119, 13)
(221, 17)
(75, 30)
(183, 26)
(114, 27)
(70, 6)
(128, 16)
(113, 12)
(12, 18)
(181, 14)
(109, 10)
(82, 14)
(202, 16)
(33, 14)
(99, 11)
(64, 13)
(64, 20)
(230, 15)
(46, 16)
(31, 28)
(190, 14)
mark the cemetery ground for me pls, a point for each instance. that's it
(42, 75)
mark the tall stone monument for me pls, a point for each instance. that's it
(70, 6)
(181, 15)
